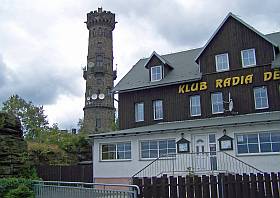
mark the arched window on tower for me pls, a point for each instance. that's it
(99, 60)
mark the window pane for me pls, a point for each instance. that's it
(276, 147)
(248, 57)
(144, 145)
(195, 105)
(172, 151)
(241, 139)
(260, 95)
(217, 102)
(145, 154)
(153, 153)
(153, 145)
(253, 148)
(264, 137)
(163, 152)
(222, 62)
(253, 138)
(275, 137)
(120, 147)
(156, 73)
(127, 146)
(212, 138)
(171, 144)
(265, 147)
(162, 144)
(242, 148)
(120, 155)
(127, 155)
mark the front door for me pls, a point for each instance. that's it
(204, 152)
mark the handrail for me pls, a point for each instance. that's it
(243, 162)
(194, 162)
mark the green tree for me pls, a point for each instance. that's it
(32, 117)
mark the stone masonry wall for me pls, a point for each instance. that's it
(13, 148)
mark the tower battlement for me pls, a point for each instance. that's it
(100, 17)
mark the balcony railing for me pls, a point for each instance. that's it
(196, 163)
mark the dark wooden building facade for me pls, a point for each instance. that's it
(231, 38)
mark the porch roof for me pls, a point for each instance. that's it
(195, 124)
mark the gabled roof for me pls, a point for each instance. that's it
(242, 22)
(163, 60)
(185, 70)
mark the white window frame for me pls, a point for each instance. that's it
(136, 109)
(212, 102)
(242, 58)
(195, 105)
(216, 61)
(259, 144)
(116, 151)
(267, 104)
(155, 109)
(158, 149)
(161, 73)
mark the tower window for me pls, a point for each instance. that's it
(99, 60)
(98, 123)
(99, 45)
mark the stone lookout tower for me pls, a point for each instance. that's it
(99, 111)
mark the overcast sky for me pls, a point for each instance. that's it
(43, 43)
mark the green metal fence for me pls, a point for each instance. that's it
(55, 189)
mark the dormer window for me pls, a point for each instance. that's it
(156, 73)
(222, 63)
(248, 57)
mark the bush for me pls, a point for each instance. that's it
(21, 191)
(16, 188)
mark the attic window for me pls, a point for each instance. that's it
(156, 73)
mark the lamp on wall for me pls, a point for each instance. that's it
(225, 142)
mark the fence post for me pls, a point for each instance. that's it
(253, 189)
(190, 187)
(268, 191)
(275, 185)
(173, 187)
(155, 187)
(238, 186)
(231, 186)
(147, 188)
(246, 186)
(164, 187)
(205, 186)
(197, 187)
(182, 187)
(137, 181)
(213, 183)
(221, 185)
(261, 193)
